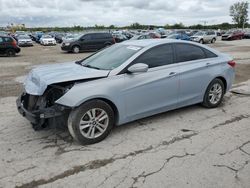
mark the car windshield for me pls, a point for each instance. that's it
(173, 36)
(111, 57)
(46, 36)
(24, 37)
(200, 33)
(229, 32)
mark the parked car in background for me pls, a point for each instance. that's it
(88, 42)
(247, 35)
(47, 40)
(8, 46)
(119, 37)
(146, 36)
(179, 36)
(233, 35)
(59, 37)
(3, 33)
(24, 40)
(125, 82)
(204, 37)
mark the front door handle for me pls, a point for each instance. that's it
(208, 64)
(172, 74)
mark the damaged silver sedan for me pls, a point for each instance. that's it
(123, 83)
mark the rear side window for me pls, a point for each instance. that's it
(187, 52)
(157, 56)
(101, 36)
(209, 54)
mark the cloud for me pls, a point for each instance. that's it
(117, 12)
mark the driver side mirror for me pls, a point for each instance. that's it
(138, 67)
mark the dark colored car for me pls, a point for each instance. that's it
(59, 37)
(247, 35)
(8, 46)
(233, 35)
(88, 42)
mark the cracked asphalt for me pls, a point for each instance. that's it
(188, 147)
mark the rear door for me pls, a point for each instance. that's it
(153, 91)
(196, 71)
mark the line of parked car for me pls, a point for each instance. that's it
(78, 42)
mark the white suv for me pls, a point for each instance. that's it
(204, 37)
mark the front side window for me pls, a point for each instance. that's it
(187, 52)
(157, 56)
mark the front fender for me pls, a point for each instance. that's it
(109, 88)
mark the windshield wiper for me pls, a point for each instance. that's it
(89, 66)
(78, 62)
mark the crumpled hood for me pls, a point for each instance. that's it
(40, 77)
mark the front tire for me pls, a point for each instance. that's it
(201, 41)
(76, 49)
(91, 122)
(214, 94)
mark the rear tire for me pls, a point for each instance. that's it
(91, 122)
(214, 94)
(213, 40)
(10, 53)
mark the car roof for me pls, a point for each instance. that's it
(152, 42)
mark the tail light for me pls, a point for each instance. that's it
(14, 43)
(114, 40)
(231, 63)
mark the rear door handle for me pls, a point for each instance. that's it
(172, 74)
(208, 64)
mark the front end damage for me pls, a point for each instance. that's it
(42, 111)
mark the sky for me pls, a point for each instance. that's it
(39, 13)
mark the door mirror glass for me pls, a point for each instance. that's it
(138, 67)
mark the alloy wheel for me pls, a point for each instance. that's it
(94, 123)
(215, 93)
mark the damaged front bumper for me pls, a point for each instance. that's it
(38, 117)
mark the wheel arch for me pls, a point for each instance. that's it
(224, 82)
(110, 103)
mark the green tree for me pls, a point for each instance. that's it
(239, 13)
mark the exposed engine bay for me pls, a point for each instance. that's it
(48, 114)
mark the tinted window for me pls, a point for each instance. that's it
(7, 39)
(158, 56)
(209, 54)
(100, 35)
(86, 37)
(187, 52)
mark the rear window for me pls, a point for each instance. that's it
(187, 52)
(7, 39)
(209, 54)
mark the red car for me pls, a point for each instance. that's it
(233, 35)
